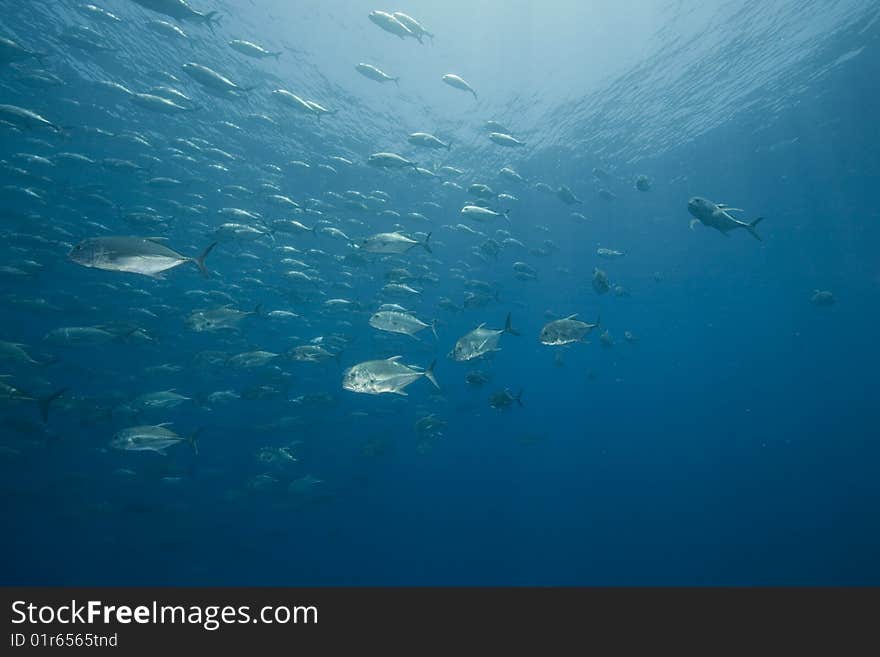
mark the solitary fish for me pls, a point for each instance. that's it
(413, 25)
(370, 71)
(374, 377)
(565, 331)
(428, 140)
(392, 243)
(480, 341)
(718, 216)
(150, 438)
(505, 140)
(180, 10)
(213, 81)
(503, 399)
(137, 255)
(252, 49)
(389, 161)
(395, 321)
(455, 81)
(479, 213)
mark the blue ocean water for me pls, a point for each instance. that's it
(731, 440)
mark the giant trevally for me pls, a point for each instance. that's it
(252, 49)
(717, 216)
(455, 81)
(213, 81)
(374, 377)
(395, 321)
(137, 255)
(181, 10)
(565, 331)
(392, 243)
(150, 438)
(370, 71)
(480, 341)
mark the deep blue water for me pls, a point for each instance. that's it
(734, 443)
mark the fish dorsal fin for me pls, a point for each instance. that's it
(572, 316)
(164, 424)
(394, 359)
(480, 326)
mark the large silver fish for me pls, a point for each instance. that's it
(137, 255)
(718, 216)
(480, 341)
(374, 377)
(150, 438)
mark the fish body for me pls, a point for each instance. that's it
(137, 255)
(375, 377)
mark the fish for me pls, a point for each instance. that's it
(219, 319)
(395, 321)
(151, 438)
(389, 161)
(137, 255)
(427, 140)
(567, 196)
(373, 73)
(11, 51)
(180, 10)
(479, 213)
(252, 49)
(11, 393)
(505, 140)
(413, 25)
(718, 216)
(600, 282)
(392, 243)
(565, 331)
(211, 80)
(375, 377)
(24, 118)
(480, 341)
(455, 81)
(503, 399)
(822, 298)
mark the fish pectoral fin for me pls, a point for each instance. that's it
(401, 393)
(693, 223)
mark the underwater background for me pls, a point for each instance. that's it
(732, 440)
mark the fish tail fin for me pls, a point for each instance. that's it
(277, 54)
(506, 214)
(448, 146)
(200, 260)
(258, 310)
(45, 402)
(598, 320)
(396, 81)
(475, 94)
(751, 228)
(430, 374)
(508, 327)
(434, 328)
(210, 18)
(426, 245)
(519, 398)
(193, 440)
